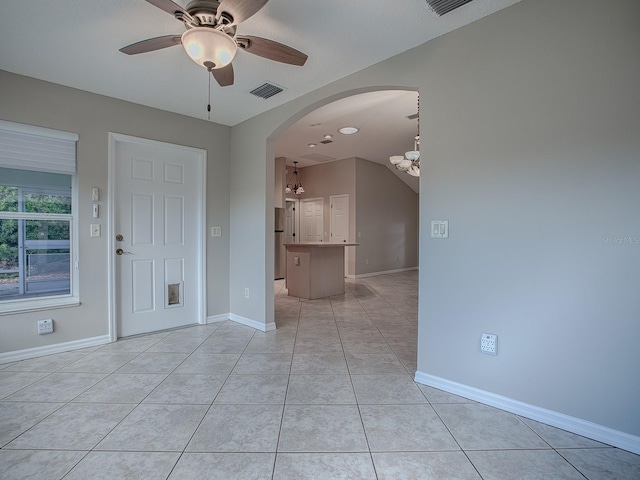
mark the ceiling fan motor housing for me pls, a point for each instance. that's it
(204, 10)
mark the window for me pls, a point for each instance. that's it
(37, 218)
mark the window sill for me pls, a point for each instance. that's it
(33, 305)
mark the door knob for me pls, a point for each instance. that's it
(120, 251)
(119, 237)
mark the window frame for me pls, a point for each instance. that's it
(47, 302)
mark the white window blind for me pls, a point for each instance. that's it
(35, 148)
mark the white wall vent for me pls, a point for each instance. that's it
(440, 7)
(266, 90)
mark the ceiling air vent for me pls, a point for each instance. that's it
(414, 116)
(445, 6)
(266, 90)
(326, 141)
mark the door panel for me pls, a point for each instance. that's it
(143, 285)
(157, 273)
(174, 220)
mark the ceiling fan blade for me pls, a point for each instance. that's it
(271, 50)
(240, 10)
(151, 44)
(224, 75)
(172, 8)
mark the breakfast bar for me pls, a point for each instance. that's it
(315, 270)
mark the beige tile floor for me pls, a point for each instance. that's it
(328, 395)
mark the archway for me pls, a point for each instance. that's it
(367, 100)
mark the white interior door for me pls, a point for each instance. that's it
(339, 218)
(312, 219)
(158, 215)
(340, 224)
(290, 221)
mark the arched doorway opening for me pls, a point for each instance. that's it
(387, 123)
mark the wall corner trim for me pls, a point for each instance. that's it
(27, 353)
(263, 327)
(575, 425)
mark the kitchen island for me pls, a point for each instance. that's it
(315, 270)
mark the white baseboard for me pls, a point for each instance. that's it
(252, 323)
(51, 349)
(386, 272)
(597, 432)
(222, 317)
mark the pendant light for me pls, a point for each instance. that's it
(294, 184)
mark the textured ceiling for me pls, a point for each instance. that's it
(76, 42)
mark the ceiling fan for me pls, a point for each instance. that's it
(210, 38)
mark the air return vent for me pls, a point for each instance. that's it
(266, 90)
(316, 157)
(414, 116)
(441, 7)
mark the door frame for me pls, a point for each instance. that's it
(201, 274)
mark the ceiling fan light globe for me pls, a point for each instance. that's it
(414, 171)
(412, 155)
(396, 159)
(404, 165)
(205, 44)
(300, 190)
(287, 190)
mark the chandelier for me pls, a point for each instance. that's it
(410, 162)
(297, 184)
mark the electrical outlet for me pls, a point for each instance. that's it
(45, 326)
(489, 344)
(246, 293)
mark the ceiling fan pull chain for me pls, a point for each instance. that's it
(209, 104)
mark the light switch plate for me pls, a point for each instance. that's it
(439, 228)
(95, 230)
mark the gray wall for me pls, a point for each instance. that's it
(529, 120)
(387, 220)
(533, 154)
(34, 102)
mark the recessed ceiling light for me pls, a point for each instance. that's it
(328, 136)
(349, 130)
(311, 145)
